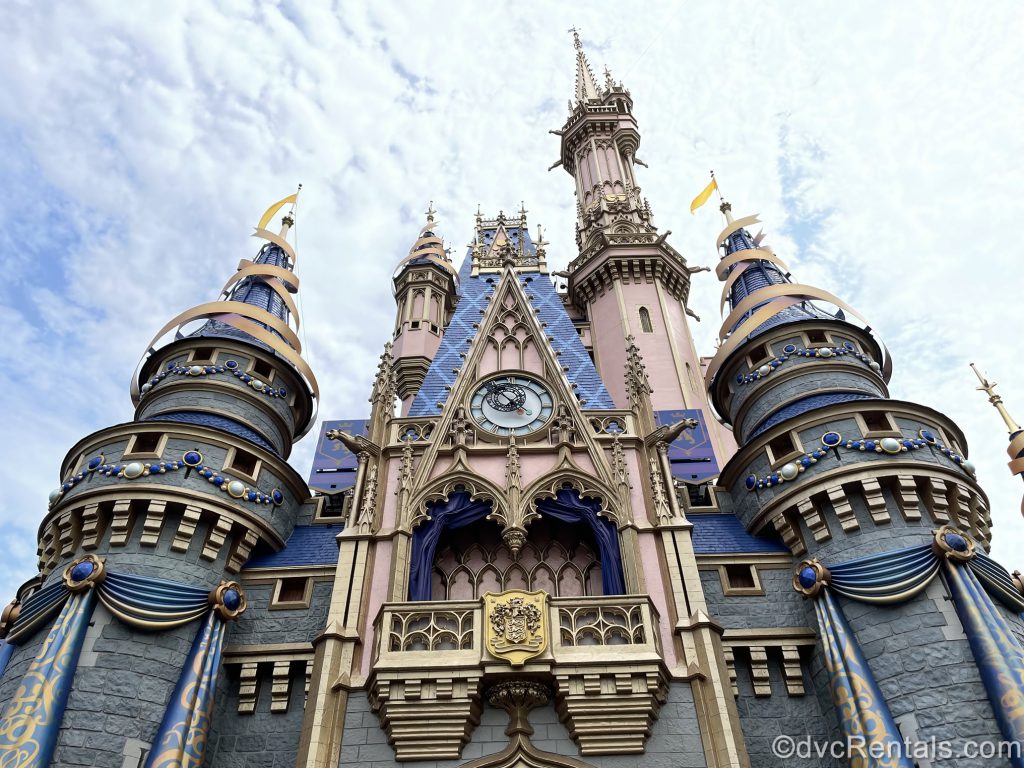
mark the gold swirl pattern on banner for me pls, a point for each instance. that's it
(997, 651)
(31, 722)
(182, 740)
(765, 303)
(862, 712)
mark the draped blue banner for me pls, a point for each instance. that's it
(6, 651)
(181, 740)
(31, 723)
(888, 577)
(997, 652)
(457, 511)
(151, 603)
(568, 507)
(863, 714)
(37, 610)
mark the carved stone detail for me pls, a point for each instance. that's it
(609, 710)
(427, 718)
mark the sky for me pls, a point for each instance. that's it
(139, 144)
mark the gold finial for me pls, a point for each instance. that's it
(989, 388)
(430, 212)
(288, 220)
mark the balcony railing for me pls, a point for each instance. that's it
(580, 629)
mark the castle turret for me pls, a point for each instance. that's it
(627, 280)
(873, 496)
(152, 523)
(425, 287)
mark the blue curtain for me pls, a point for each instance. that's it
(181, 740)
(997, 653)
(457, 511)
(31, 723)
(863, 714)
(568, 507)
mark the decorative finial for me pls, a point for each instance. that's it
(430, 212)
(522, 213)
(608, 82)
(989, 388)
(586, 88)
(576, 38)
(288, 220)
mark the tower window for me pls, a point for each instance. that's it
(263, 368)
(243, 463)
(740, 579)
(145, 445)
(781, 446)
(877, 421)
(645, 320)
(203, 354)
(293, 592)
(758, 353)
(817, 337)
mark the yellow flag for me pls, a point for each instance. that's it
(702, 198)
(274, 209)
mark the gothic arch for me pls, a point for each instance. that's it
(548, 486)
(479, 489)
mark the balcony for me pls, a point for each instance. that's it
(602, 658)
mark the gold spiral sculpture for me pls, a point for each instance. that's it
(769, 301)
(252, 320)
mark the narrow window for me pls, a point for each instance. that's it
(740, 576)
(781, 446)
(645, 321)
(817, 337)
(758, 353)
(877, 421)
(291, 590)
(262, 368)
(244, 463)
(144, 444)
(203, 354)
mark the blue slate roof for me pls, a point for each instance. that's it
(308, 545)
(811, 403)
(222, 423)
(725, 534)
(473, 295)
(334, 465)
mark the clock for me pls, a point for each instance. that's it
(511, 405)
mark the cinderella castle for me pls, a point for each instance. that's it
(560, 537)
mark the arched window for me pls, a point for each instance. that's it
(645, 321)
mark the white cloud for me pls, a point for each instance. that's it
(141, 145)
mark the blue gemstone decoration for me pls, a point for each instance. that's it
(751, 482)
(251, 496)
(956, 542)
(831, 439)
(277, 496)
(789, 349)
(230, 364)
(808, 577)
(192, 458)
(218, 481)
(869, 445)
(806, 461)
(928, 436)
(94, 463)
(849, 345)
(82, 571)
(232, 600)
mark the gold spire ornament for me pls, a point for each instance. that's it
(989, 388)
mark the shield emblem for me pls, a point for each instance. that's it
(516, 625)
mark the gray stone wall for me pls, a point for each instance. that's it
(780, 606)
(259, 625)
(263, 739)
(675, 740)
(764, 719)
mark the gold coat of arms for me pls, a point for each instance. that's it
(516, 625)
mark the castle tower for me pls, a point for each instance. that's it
(874, 497)
(1016, 447)
(152, 524)
(627, 276)
(425, 285)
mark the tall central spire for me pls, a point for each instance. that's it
(586, 86)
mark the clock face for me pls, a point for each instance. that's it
(511, 405)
